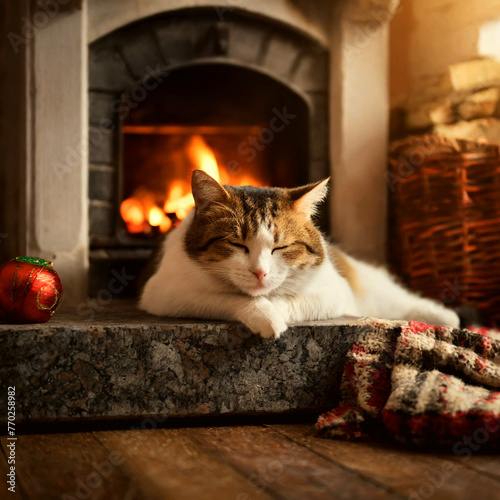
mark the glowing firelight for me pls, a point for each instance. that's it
(178, 202)
(132, 212)
(155, 217)
(142, 212)
(203, 157)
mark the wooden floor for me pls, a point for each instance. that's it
(238, 462)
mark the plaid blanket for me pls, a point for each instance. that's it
(420, 384)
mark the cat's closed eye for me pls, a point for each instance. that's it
(279, 248)
(238, 245)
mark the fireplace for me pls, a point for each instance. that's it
(238, 125)
(81, 101)
(245, 118)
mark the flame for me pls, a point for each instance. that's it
(155, 216)
(142, 212)
(203, 157)
(178, 201)
(165, 225)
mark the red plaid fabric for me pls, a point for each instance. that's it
(421, 384)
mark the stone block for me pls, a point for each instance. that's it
(102, 107)
(101, 218)
(102, 182)
(178, 39)
(311, 73)
(473, 75)
(140, 51)
(480, 104)
(280, 56)
(101, 146)
(111, 361)
(486, 129)
(107, 69)
(245, 42)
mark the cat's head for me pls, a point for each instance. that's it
(257, 240)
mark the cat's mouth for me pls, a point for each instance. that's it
(246, 288)
(258, 286)
(258, 289)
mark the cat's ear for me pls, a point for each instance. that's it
(307, 198)
(206, 190)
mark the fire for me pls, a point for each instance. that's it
(155, 217)
(131, 212)
(178, 202)
(203, 157)
(142, 212)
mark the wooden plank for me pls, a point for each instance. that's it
(485, 464)
(166, 463)
(412, 473)
(282, 467)
(70, 466)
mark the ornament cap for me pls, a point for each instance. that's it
(35, 261)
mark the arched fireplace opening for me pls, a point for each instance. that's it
(160, 109)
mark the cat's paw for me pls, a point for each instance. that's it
(449, 318)
(264, 319)
(272, 327)
(435, 315)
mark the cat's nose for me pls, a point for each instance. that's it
(260, 273)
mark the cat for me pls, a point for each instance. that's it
(254, 255)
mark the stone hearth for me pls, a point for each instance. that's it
(124, 364)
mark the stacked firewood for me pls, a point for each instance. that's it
(462, 103)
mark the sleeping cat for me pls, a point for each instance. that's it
(254, 255)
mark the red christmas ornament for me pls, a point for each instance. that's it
(30, 290)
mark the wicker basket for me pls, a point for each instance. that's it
(445, 220)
